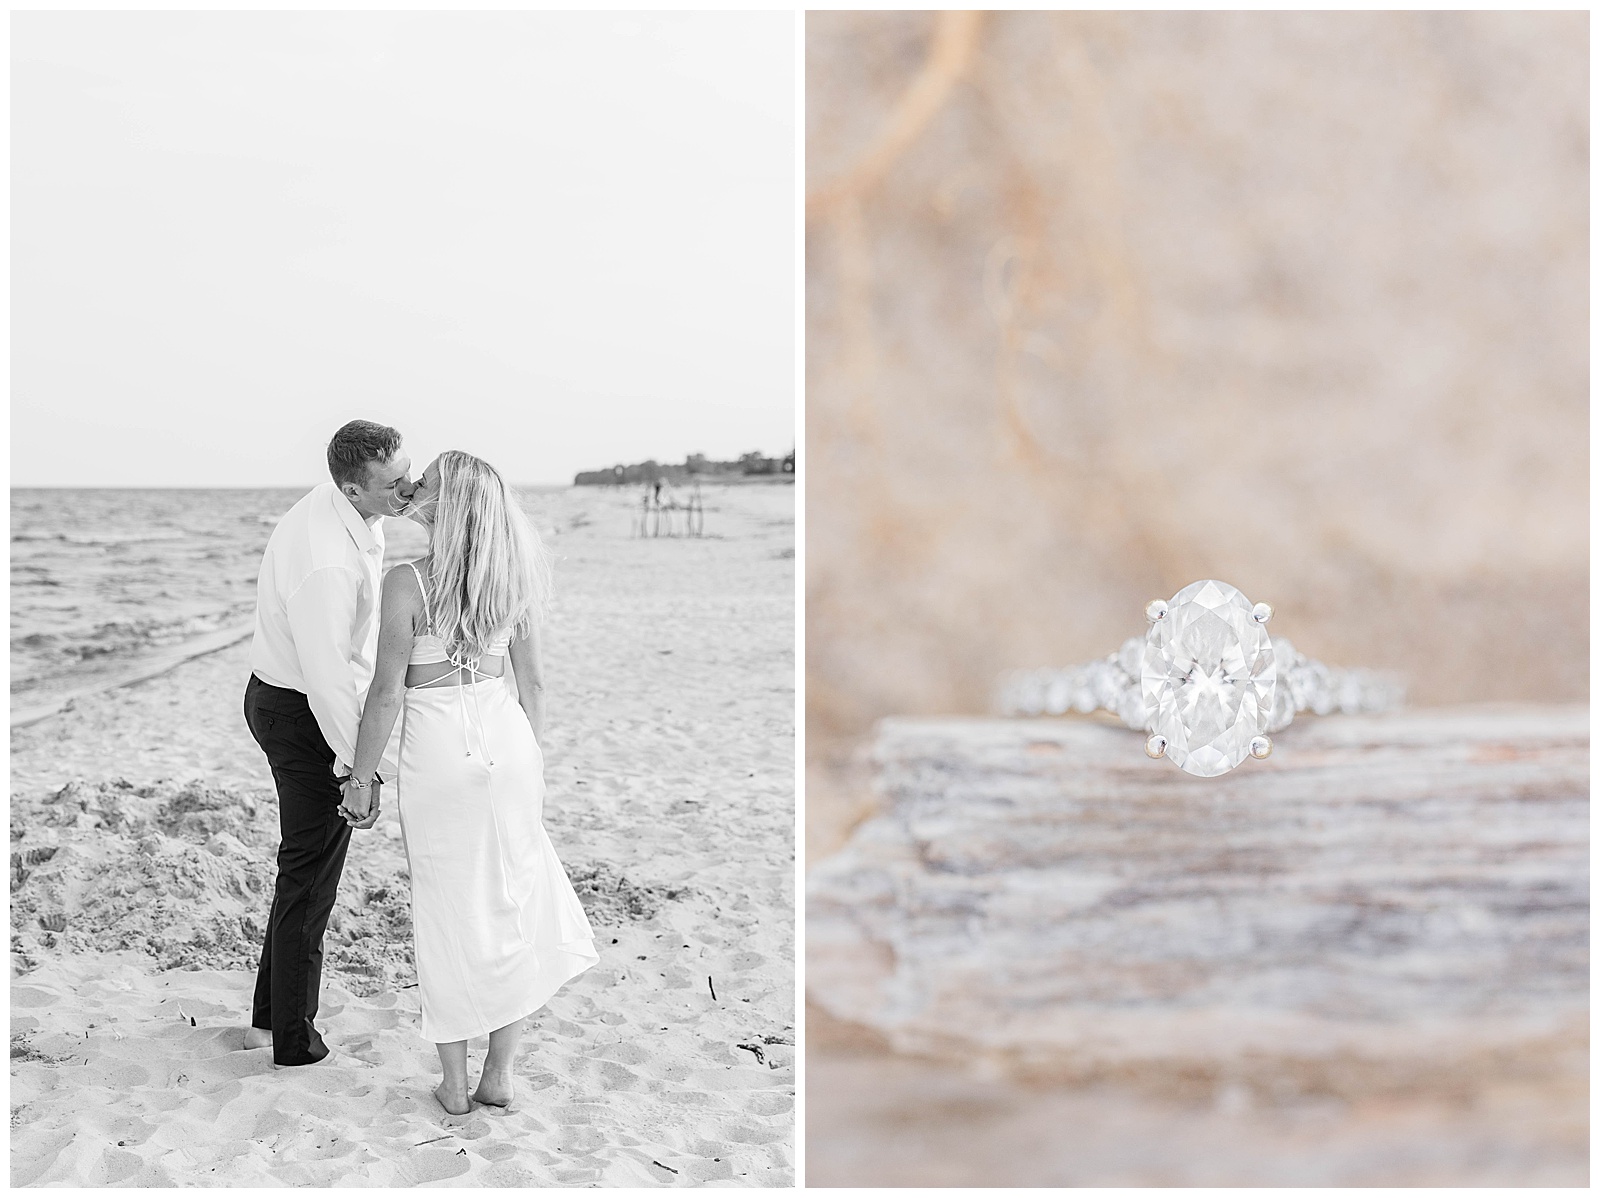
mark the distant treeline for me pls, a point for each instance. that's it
(696, 465)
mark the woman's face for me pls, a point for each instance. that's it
(425, 495)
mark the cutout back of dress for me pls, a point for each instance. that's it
(428, 649)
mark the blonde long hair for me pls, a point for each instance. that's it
(490, 571)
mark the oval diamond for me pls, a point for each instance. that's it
(1209, 678)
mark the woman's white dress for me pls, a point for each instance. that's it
(498, 926)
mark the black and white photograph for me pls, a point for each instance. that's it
(403, 599)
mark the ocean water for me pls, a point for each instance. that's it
(105, 580)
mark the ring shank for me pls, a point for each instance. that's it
(1112, 684)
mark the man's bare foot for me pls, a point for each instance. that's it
(493, 1090)
(257, 1037)
(453, 1100)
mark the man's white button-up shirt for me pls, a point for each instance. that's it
(317, 614)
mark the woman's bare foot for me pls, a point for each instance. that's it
(453, 1100)
(493, 1089)
(257, 1037)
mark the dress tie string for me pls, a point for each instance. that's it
(478, 675)
(470, 667)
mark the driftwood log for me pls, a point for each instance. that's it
(1387, 903)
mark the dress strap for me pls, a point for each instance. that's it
(470, 665)
(426, 610)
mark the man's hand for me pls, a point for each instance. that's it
(360, 805)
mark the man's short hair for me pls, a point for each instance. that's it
(356, 444)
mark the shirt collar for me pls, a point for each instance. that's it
(360, 532)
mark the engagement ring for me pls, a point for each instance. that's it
(1205, 682)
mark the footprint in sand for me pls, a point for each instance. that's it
(627, 1053)
(33, 1154)
(479, 1127)
(165, 1100)
(312, 1147)
(755, 1135)
(199, 1008)
(125, 1131)
(665, 1173)
(707, 1169)
(364, 1048)
(500, 1112)
(691, 1098)
(506, 1175)
(768, 1105)
(271, 1124)
(578, 1176)
(363, 1019)
(409, 1104)
(577, 1118)
(114, 1073)
(525, 1125)
(615, 1077)
(116, 1165)
(432, 1165)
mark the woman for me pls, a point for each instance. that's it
(498, 928)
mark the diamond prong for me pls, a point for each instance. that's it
(1155, 611)
(1261, 613)
(1155, 746)
(1260, 747)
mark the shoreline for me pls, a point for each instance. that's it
(705, 480)
(738, 479)
(153, 667)
(144, 865)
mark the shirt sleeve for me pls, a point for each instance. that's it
(322, 613)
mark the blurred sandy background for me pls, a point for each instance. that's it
(1102, 303)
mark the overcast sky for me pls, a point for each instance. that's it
(557, 240)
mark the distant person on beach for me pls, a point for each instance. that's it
(498, 927)
(311, 661)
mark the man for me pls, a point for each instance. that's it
(311, 661)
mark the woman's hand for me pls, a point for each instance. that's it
(401, 610)
(359, 804)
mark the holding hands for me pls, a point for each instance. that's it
(359, 804)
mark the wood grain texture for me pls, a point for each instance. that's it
(1388, 903)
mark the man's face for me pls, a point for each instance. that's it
(388, 488)
(425, 495)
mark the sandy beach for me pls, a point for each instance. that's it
(144, 824)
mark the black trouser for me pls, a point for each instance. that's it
(310, 859)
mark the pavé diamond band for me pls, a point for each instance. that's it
(1205, 682)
